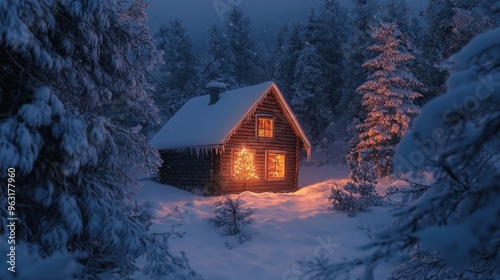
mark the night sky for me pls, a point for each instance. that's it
(266, 15)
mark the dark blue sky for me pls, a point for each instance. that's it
(266, 15)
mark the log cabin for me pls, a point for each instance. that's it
(233, 141)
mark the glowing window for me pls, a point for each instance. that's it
(275, 165)
(265, 126)
(243, 165)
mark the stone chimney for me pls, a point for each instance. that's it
(215, 88)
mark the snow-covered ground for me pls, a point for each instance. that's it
(288, 227)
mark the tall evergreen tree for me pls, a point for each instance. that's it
(307, 64)
(219, 61)
(308, 100)
(388, 98)
(451, 25)
(398, 11)
(176, 77)
(330, 37)
(72, 86)
(284, 59)
(249, 64)
(365, 14)
(448, 229)
(277, 60)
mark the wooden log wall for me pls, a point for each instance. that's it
(185, 169)
(284, 140)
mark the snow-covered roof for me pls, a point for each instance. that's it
(198, 124)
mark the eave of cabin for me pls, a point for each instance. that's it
(265, 89)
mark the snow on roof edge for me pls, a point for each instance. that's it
(282, 103)
(295, 122)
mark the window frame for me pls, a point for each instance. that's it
(235, 150)
(268, 152)
(273, 122)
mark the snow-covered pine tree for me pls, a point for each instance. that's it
(175, 79)
(388, 98)
(284, 59)
(451, 25)
(219, 61)
(329, 36)
(277, 61)
(328, 32)
(231, 216)
(452, 230)
(72, 88)
(398, 11)
(365, 13)
(308, 99)
(455, 223)
(249, 64)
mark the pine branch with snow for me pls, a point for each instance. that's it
(73, 88)
(451, 231)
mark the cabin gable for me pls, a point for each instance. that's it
(283, 142)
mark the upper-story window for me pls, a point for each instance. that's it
(265, 127)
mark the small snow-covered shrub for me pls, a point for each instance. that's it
(359, 194)
(354, 198)
(231, 217)
(162, 264)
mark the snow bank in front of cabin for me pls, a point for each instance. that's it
(288, 227)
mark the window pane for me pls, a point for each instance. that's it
(276, 165)
(265, 127)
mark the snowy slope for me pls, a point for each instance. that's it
(289, 227)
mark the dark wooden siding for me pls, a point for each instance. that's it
(284, 140)
(186, 169)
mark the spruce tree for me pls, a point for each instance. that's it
(73, 89)
(448, 226)
(277, 61)
(451, 25)
(175, 79)
(309, 100)
(249, 65)
(284, 58)
(219, 61)
(365, 13)
(388, 98)
(329, 36)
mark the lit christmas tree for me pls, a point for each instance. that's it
(244, 167)
(388, 98)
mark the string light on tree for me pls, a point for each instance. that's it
(244, 167)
